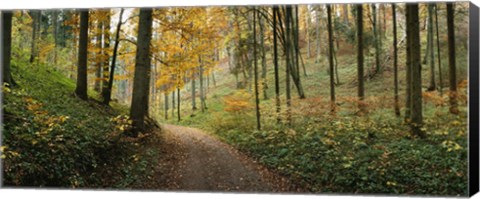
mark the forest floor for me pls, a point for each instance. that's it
(192, 160)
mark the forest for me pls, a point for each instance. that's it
(321, 98)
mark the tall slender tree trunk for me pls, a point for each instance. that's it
(361, 89)
(106, 53)
(173, 103)
(295, 40)
(413, 28)
(440, 77)
(33, 53)
(107, 92)
(264, 56)
(330, 58)
(408, 69)
(375, 36)
(275, 62)
(427, 49)
(288, 60)
(451, 59)
(345, 13)
(7, 47)
(202, 94)
(307, 31)
(257, 101)
(98, 56)
(81, 89)
(317, 31)
(142, 72)
(431, 59)
(166, 105)
(395, 61)
(55, 35)
(194, 103)
(178, 104)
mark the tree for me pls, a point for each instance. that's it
(451, 59)
(288, 59)
(106, 52)
(7, 47)
(178, 104)
(98, 56)
(290, 37)
(431, 53)
(317, 31)
(395, 60)
(55, 35)
(166, 106)
(361, 89)
(81, 89)
(440, 77)
(202, 94)
(330, 58)
(194, 104)
(275, 62)
(413, 30)
(307, 30)
(376, 38)
(35, 24)
(142, 71)
(264, 56)
(257, 102)
(107, 90)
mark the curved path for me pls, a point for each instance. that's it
(195, 161)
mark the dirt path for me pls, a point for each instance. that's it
(195, 161)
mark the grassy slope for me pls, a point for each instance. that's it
(52, 138)
(345, 153)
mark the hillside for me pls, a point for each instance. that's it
(52, 138)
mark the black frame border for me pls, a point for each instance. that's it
(473, 134)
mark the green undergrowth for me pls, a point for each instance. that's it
(52, 138)
(359, 155)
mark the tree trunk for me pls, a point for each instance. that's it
(107, 92)
(173, 103)
(142, 72)
(295, 40)
(178, 104)
(375, 36)
(288, 60)
(194, 103)
(7, 47)
(98, 61)
(275, 61)
(413, 28)
(431, 59)
(317, 26)
(307, 32)
(440, 77)
(335, 65)
(264, 57)
(330, 58)
(451, 59)
(361, 92)
(81, 89)
(257, 101)
(33, 51)
(166, 106)
(202, 97)
(345, 13)
(408, 74)
(106, 54)
(55, 33)
(395, 61)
